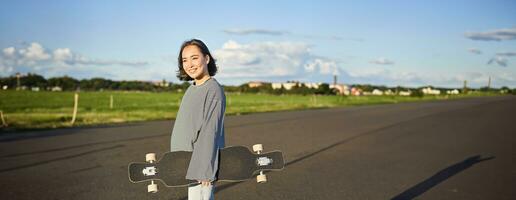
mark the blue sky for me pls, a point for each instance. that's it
(410, 43)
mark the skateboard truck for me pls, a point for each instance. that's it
(150, 171)
(263, 161)
(258, 148)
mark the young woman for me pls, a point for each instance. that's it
(199, 126)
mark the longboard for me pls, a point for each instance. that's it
(236, 163)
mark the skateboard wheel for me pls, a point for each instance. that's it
(153, 187)
(150, 157)
(262, 178)
(257, 148)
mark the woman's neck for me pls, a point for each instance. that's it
(202, 80)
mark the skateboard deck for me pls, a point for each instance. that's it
(236, 163)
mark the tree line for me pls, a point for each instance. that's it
(66, 83)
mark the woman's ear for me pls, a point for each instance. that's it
(208, 59)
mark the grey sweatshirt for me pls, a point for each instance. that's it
(199, 127)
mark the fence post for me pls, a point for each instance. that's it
(76, 104)
(111, 102)
(4, 124)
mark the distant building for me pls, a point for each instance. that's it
(341, 88)
(356, 91)
(255, 84)
(276, 85)
(162, 83)
(429, 90)
(377, 92)
(287, 86)
(455, 91)
(56, 89)
(405, 93)
(388, 92)
(313, 85)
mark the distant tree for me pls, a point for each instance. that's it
(96, 84)
(244, 88)
(505, 89)
(231, 88)
(33, 80)
(65, 82)
(417, 93)
(9, 81)
(324, 89)
(183, 86)
(279, 91)
(366, 88)
(485, 89)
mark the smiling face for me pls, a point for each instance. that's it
(195, 63)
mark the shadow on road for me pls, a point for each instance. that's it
(80, 146)
(344, 141)
(439, 177)
(15, 135)
(59, 159)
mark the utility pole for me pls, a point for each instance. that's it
(18, 75)
(489, 83)
(465, 88)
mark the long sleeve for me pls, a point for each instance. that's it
(210, 138)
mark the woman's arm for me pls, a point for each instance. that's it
(204, 162)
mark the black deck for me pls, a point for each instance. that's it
(237, 163)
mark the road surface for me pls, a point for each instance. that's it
(456, 149)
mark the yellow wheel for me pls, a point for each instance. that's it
(262, 178)
(153, 187)
(258, 148)
(150, 157)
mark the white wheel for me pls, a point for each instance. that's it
(257, 148)
(262, 178)
(150, 157)
(153, 187)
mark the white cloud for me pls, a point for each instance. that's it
(63, 55)
(382, 61)
(268, 60)
(35, 57)
(4, 69)
(391, 77)
(35, 52)
(9, 52)
(322, 66)
(494, 35)
(382, 74)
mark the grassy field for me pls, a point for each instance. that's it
(33, 110)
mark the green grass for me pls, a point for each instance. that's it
(33, 110)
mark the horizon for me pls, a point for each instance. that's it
(389, 43)
(287, 81)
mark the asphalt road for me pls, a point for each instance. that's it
(457, 149)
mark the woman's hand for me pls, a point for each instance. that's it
(204, 182)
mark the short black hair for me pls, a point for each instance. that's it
(212, 67)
